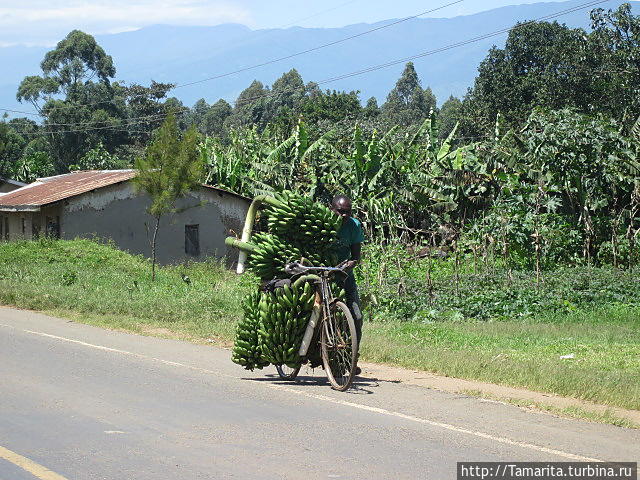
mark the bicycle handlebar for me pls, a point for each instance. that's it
(296, 268)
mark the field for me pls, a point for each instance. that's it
(97, 284)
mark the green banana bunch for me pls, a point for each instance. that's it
(271, 255)
(284, 315)
(247, 350)
(308, 225)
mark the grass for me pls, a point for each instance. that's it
(97, 284)
(104, 286)
(525, 353)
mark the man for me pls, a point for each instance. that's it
(349, 247)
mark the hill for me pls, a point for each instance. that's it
(186, 54)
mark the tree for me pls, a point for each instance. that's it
(615, 41)
(99, 158)
(78, 70)
(215, 117)
(542, 64)
(371, 110)
(146, 106)
(332, 107)
(250, 107)
(408, 103)
(170, 168)
(449, 116)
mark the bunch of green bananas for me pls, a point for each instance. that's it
(247, 350)
(301, 220)
(274, 323)
(298, 228)
(271, 255)
(284, 315)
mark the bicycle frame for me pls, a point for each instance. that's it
(322, 305)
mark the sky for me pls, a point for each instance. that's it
(45, 22)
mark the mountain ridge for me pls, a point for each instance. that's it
(158, 52)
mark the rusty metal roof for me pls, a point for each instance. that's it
(45, 191)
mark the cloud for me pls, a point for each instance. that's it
(46, 22)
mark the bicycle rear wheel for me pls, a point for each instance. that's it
(288, 373)
(339, 345)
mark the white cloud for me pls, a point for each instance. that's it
(44, 22)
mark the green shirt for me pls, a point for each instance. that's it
(349, 234)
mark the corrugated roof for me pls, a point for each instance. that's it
(45, 191)
(53, 189)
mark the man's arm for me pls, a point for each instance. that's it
(356, 252)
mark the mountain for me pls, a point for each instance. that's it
(190, 54)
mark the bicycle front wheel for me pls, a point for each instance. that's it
(339, 345)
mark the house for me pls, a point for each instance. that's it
(106, 204)
(7, 185)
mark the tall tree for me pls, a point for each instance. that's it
(449, 116)
(408, 103)
(170, 168)
(215, 117)
(75, 95)
(250, 107)
(542, 64)
(615, 42)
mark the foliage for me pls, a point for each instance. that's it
(170, 168)
(397, 285)
(98, 158)
(408, 103)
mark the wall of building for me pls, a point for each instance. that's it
(6, 187)
(19, 223)
(118, 212)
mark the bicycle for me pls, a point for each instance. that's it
(337, 335)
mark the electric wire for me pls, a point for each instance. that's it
(287, 57)
(402, 60)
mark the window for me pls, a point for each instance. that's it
(24, 226)
(53, 227)
(1, 228)
(192, 240)
(6, 228)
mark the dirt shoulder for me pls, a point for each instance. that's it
(526, 398)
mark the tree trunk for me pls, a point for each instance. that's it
(153, 249)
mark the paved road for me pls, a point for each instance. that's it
(78, 402)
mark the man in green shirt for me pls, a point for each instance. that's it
(349, 247)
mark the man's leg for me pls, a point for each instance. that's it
(353, 302)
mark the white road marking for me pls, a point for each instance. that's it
(111, 432)
(380, 411)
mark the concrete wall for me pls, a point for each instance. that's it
(118, 213)
(34, 223)
(16, 223)
(7, 187)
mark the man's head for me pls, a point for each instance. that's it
(341, 204)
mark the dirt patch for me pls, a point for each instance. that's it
(159, 332)
(457, 385)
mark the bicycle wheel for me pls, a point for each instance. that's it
(288, 373)
(339, 345)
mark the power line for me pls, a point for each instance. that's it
(293, 55)
(319, 47)
(420, 55)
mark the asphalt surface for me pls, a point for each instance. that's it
(83, 403)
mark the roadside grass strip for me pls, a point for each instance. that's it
(592, 355)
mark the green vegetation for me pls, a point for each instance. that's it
(93, 280)
(502, 227)
(98, 284)
(168, 171)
